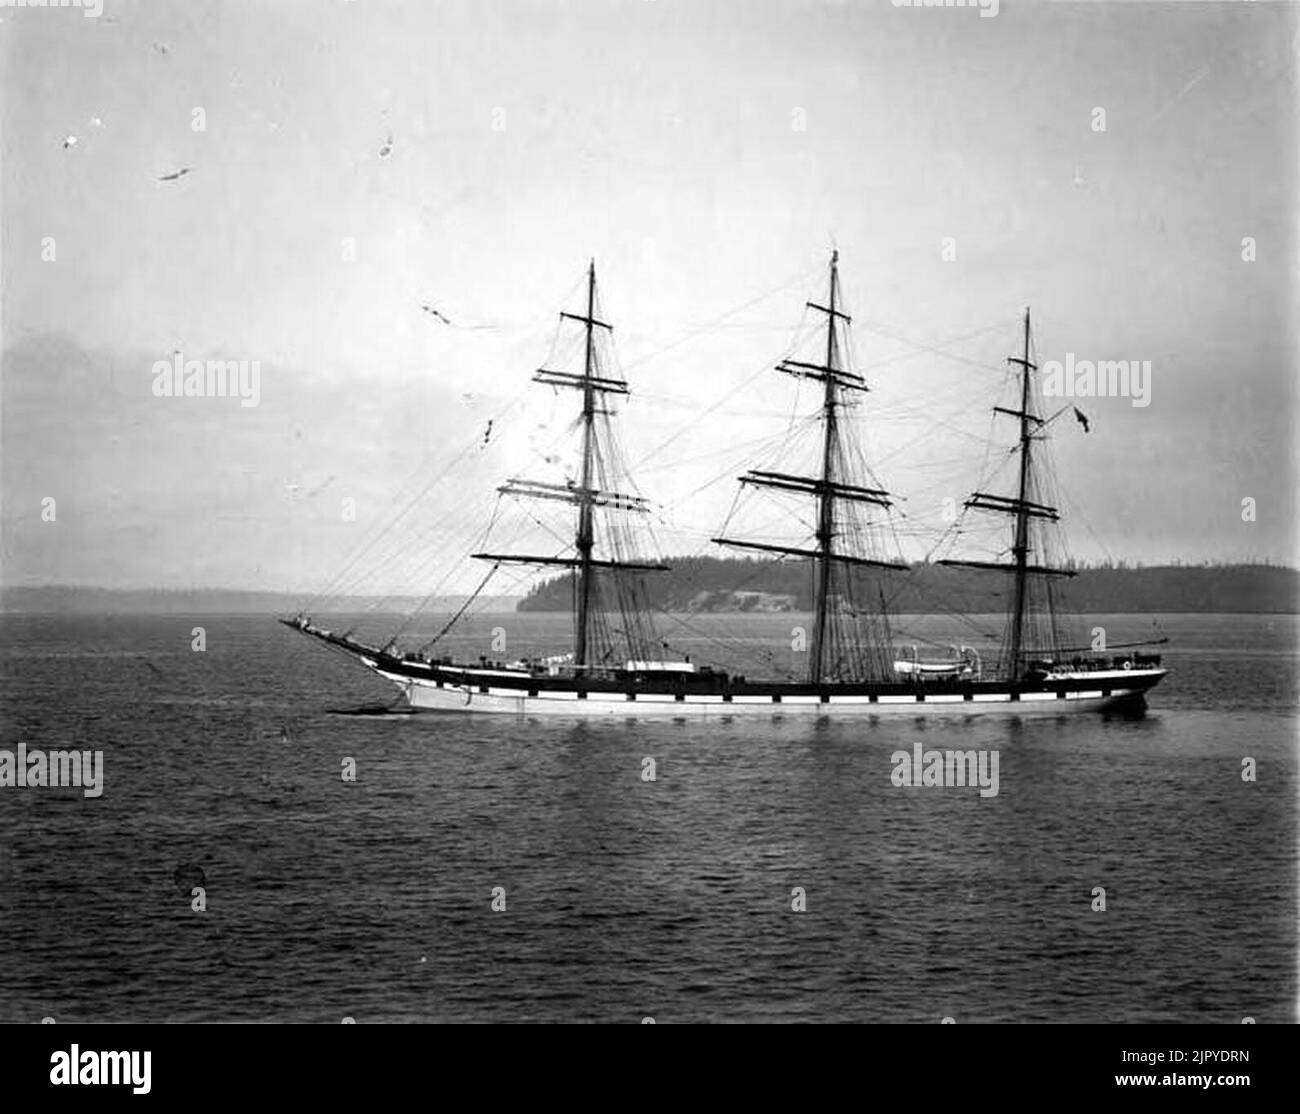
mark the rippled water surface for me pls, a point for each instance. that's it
(627, 898)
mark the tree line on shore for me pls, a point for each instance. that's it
(728, 584)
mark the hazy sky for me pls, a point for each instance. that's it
(349, 161)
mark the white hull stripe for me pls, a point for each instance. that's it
(428, 695)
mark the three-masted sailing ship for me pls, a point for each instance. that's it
(616, 666)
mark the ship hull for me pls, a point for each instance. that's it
(488, 689)
(492, 693)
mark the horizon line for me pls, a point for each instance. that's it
(1122, 565)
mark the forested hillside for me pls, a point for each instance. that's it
(714, 584)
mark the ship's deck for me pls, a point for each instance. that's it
(1137, 673)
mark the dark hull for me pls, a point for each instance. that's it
(483, 686)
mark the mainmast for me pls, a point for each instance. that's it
(584, 540)
(1023, 510)
(586, 495)
(1020, 548)
(828, 490)
(826, 496)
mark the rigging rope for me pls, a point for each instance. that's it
(463, 608)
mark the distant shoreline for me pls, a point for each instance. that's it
(699, 586)
(710, 585)
(80, 600)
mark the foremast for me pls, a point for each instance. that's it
(586, 496)
(829, 488)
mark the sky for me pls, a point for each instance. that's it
(348, 162)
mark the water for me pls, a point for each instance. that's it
(626, 898)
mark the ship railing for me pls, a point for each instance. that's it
(1099, 665)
